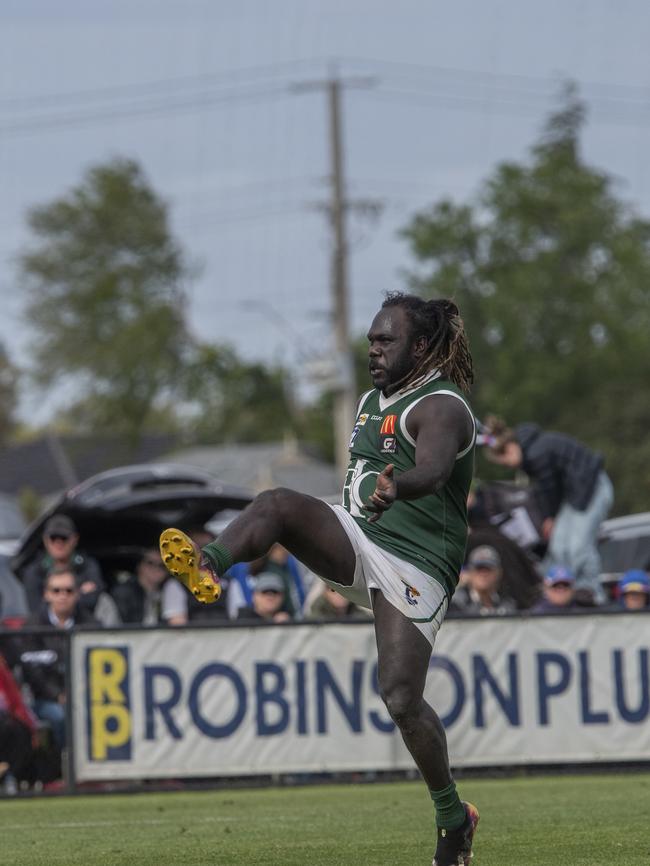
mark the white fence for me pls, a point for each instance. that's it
(151, 704)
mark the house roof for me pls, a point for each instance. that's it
(52, 463)
(264, 465)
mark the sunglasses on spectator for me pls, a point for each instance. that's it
(561, 584)
(270, 592)
(69, 590)
(57, 537)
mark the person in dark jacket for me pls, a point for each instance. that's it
(60, 540)
(42, 656)
(573, 492)
(139, 596)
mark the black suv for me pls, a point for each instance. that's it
(120, 512)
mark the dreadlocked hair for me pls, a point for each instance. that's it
(439, 322)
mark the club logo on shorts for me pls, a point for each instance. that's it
(411, 593)
(388, 427)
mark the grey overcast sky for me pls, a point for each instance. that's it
(200, 93)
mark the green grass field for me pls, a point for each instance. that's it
(548, 821)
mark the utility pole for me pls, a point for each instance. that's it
(345, 388)
(344, 403)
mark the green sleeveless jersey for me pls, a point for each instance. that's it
(430, 532)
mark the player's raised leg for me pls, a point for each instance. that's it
(307, 527)
(403, 654)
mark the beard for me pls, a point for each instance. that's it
(394, 374)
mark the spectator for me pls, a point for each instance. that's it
(634, 590)
(572, 490)
(17, 733)
(559, 591)
(60, 540)
(43, 657)
(324, 602)
(480, 590)
(139, 596)
(520, 580)
(241, 582)
(268, 599)
(280, 561)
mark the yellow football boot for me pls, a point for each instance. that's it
(182, 559)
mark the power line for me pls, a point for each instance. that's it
(159, 107)
(408, 83)
(154, 86)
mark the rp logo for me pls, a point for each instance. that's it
(108, 704)
(411, 594)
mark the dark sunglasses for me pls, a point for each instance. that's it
(561, 584)
(69, 590)
(270, 592)
(57, 537)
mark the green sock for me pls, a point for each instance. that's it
(450, 812)
(218, 556)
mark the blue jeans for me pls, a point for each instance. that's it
(574, 538)
(54, 713)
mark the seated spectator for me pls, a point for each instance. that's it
(634, 590)
(480, 589)
(60, 540)
(17, 733)
(280, 561)
(42, 656)
(520, 580)
(559, 591)
(268, 599)
(241, 581)
(323, 602)
(139, 596)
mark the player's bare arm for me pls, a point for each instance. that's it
(441, 427)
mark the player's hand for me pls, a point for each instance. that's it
(384, 495)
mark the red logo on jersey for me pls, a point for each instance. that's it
(388, 427)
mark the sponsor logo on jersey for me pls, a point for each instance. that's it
(411, 593)
(389, 445)
(388, 427)
(361, 420)
(376, 417)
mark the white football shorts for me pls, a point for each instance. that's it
(413, 592)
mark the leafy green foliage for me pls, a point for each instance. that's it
(8, 394)
(551, 271)
(104, 278)
(234, 401)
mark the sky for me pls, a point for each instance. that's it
(204, 95)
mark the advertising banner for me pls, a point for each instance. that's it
(282, 699)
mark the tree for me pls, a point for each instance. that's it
(8, 398)
(551, 271)
(104, 279)
(230, 400)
